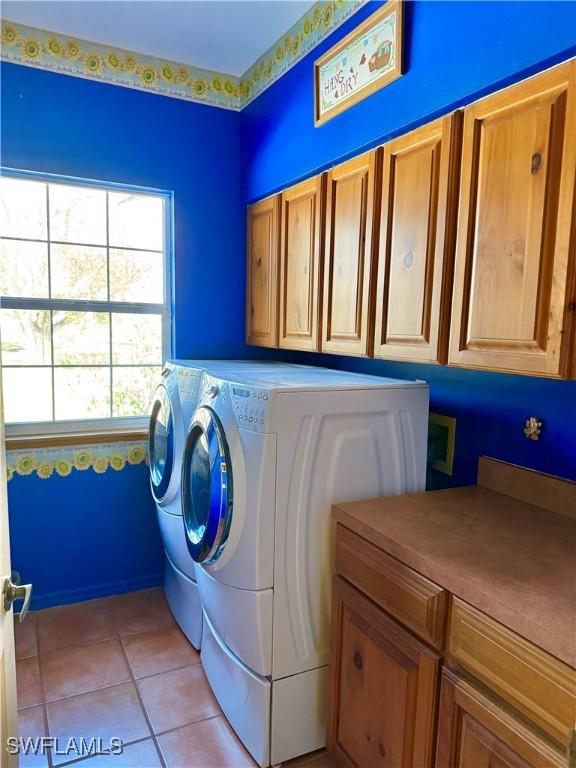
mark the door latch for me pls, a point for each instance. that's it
(11, 592)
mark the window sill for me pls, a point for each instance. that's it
(114, 435)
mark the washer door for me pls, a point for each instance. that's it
(161, 443)
(206, 487)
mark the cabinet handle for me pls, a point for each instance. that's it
(536, 163)
(358, 663)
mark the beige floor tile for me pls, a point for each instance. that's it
(32, 726)
(208, 744)
(177, 698)
(28, 682)
(108, 713)
(25, 637)
(141, 755)
(154, 652)
(83, 668)
(69, 625)
(137, 612)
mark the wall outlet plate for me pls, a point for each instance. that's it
(441, 438)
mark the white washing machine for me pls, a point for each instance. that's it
(173, 405)
(267, 453)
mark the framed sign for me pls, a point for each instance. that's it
(364, 61)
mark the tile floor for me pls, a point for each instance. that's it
(121, 667)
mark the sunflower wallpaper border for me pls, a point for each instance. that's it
(46, 462)
(42, 49)
(82, 58)
(313, 27)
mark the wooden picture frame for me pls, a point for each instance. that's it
(364, 61)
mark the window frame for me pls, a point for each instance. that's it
(114, 424)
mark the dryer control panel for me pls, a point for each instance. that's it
(250, 406)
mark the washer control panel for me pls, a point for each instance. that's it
(188, 383)
(250, 406)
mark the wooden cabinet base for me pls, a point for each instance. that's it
(476, 733)
(384, 687)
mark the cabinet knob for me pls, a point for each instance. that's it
(358, 661)
(536, 163)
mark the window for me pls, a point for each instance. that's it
(84, 318)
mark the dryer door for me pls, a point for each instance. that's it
(161, 443)
(206, 487)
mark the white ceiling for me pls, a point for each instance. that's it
(222, 35)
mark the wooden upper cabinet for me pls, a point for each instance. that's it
(417, 237)
(262, 277)
(348, 256)
(300, 266)
(514, 288)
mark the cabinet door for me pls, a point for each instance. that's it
(383, 688)
(348, 257)
(473, 732)
(300, 266)
(262, 273)
(514, 304)
(417, 238)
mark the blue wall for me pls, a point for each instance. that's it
(88, 534)
(85, 535)
(455, 53)
(60, 124)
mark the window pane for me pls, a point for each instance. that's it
(77, 214)
(27, 394)
(25, 336)
(136, 276)
(136, 339)
(23, 269)
(23, 208)
(133, 389)
(78, 272)
(82, 393)
(81, 338)
(136, 221)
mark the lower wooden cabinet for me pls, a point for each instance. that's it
(474, 732)
(499, 659)
(384, 686)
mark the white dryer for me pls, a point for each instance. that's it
(266, 455)
(173, 406)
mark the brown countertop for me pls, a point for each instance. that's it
(511, 559)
